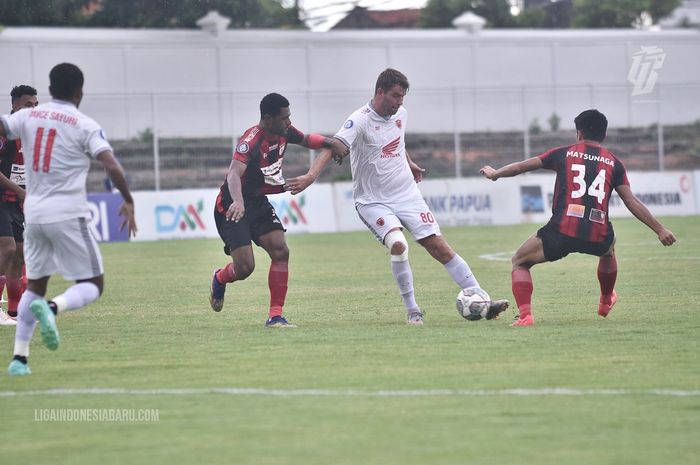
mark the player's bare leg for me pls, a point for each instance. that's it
(7, 251)
(607, 276)
(14, 280)
(458, 269)
(275, 245)
(530, 253)
(241, 266)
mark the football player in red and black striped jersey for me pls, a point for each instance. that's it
(586, 175)
(12, 184)
(243, 213)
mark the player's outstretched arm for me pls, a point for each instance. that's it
(116, 175)
(339, 149)
(643, 214)
(316, 142)
(298, 184)
(512, 169)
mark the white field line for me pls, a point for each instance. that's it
(497, 257)
(233, 391)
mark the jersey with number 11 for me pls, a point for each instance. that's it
(587, 173)
(59, 142)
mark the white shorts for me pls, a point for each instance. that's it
(67, 247)
(413, 215)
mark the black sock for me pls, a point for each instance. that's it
(21, 358)
(53, 307)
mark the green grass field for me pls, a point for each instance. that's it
(355, 384)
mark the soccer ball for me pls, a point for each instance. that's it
(473, 303)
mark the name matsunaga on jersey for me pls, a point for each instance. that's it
(587, 156)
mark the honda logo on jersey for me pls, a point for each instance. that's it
(388, 149)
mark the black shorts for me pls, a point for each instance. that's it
(11, 221)
(556, 245)
(259, 219)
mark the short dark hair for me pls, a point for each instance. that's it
(592, 124)
(19, 91)
(272, 104)
(65, 81)
(389, 78)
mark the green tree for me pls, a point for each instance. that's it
(619, 13)
(185, 13)
(440, 13)
(551, 15)
(146, 13)
(42, 12)
(533, 17)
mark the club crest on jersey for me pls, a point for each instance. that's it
(242, 148)
(348, 124)
(398, 123)
(380, 222)
(388, 149)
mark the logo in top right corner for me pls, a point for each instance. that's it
(644, 70)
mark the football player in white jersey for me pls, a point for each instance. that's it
(59, 142)
(386, 195)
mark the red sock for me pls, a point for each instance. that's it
(226, 274)
(277, 280)
(14, 293)
(522, 290)
(607, 275)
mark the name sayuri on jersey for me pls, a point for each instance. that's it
(587, 156)
(54, 116)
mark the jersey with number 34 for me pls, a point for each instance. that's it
(59, 142)
(587, 173)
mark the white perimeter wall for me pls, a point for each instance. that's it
(184, 214)
(192, 84)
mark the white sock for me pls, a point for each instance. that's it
(76, 296)
(25, 323)
(404, 279)
(461, 273)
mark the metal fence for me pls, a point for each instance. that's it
(171, 141)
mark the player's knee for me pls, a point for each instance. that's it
(244, 269)
(397, 245)
(7, 250)
(280, 253)
(518, 261)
